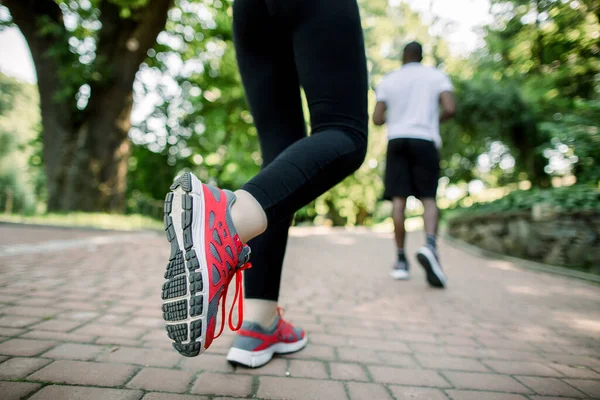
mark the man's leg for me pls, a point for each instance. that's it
(425, 160)
(399, 206)
(431, 219)
(400, 269)
(398, 186)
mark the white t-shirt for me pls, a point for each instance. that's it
(412, 95)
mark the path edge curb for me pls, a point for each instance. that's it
(521, 263)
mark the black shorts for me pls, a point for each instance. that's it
(412, 169)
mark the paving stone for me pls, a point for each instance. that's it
(549, 386)
(146, 357)
(417, 393)
(31, 311)
(83, 316)
(25, 347)
(576, 372)
(299, 389)
(72, 351)
(60, 325)
(307, 369)
(478, 395)
(18, 367)
(406, 376)
(396, 359)
(223, 384)
(587, 386)
(118, 341)
(60, 336)
(318, 352)
(501, 383)
(347, 372)
(84, 373)
(8, 299)
(521, 368)
(367, 391)
(14, 321)
(56, 392)
(374, 344)
(165, 380)
(94, 329)
(169, 396)
(17, 390)
(210, 363)
(482, 334)
(328, 340)
(277, 366)
(452, 363)
(357, 355)
(590, 362)
(4, 331)
(147, 322)
(112, 319)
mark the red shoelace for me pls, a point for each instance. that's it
(237, 298)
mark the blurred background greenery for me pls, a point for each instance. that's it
(528, 117)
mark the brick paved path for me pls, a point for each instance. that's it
(81, 320)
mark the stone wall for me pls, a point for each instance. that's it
(544, 235)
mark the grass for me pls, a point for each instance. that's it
(88, 220)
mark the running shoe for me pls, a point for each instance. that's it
(400, 270)
(253, 346)
(430, 261)
(206, 253)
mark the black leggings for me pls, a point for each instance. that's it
(282, 46)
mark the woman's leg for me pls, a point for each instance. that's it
(266, 61)
(331, 64)
(206, 226)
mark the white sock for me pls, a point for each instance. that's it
(263, 312)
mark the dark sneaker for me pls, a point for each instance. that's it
(400, 270)
(428, 258)
(254, 346)
(206, 253)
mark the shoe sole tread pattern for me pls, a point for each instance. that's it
(182, 277)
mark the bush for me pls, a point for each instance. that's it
(578, 197)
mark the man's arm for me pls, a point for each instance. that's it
(448, 103)
(379, 113)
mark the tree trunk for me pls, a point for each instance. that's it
(55, 116)
(86, 152)
(96, 178)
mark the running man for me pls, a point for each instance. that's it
(408, 100)
(281, 46)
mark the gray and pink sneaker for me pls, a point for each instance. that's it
(254, 346)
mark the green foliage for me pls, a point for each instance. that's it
(535, 89)
(202, 122)
(528, 101)
(577, 136)
(578, 197)
(19, 125)
(89, 220)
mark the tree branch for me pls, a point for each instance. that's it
(22, 10)
(123, 44)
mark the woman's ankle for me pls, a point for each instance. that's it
(248, 216)
(262, 312)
